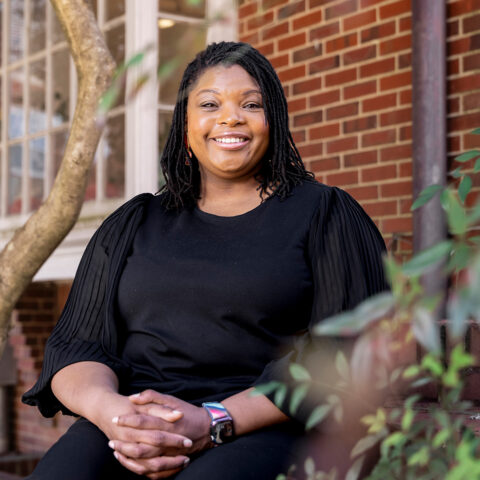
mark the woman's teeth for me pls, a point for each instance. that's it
(230, 140)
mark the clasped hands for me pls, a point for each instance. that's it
(157, 432)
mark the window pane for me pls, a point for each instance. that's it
(14, 179)
(114, 8)
(188, 40)
(1, 23)
(190, 8)
(15, 110)
(114, 155)
(37, 113)
(36, 171)
(164, 123)
(37, 27)
(16, 42)
(116, 43)
(60, 86)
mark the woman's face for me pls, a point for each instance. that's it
(226, 124)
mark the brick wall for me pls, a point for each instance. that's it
(346, 68)
(33, 319)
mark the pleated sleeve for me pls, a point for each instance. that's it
(85, 330)
(345, 252)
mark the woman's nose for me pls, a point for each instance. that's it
(230, 115)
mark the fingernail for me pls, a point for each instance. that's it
(115, 454)
(111, 444)
(186, 461)
(187, 443)
(115, 420)
(176, 412)
(135, 395)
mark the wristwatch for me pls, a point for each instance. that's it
(221, 424)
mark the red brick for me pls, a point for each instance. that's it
(378, 67)
(359, 20)
(378, 31)
(308, 118)
(379, 209)
(311, 18)
(472, 62)
(343, 178)
(475, 42)
(279, 61)
(405, 133)
(310, 150)
(396, 44)
(459, 46)
(398, 152)
(360, 158)
(276, 31)
(394, 225)
(453, 105)
(452, 28)
(323, 64)
(378, 138)
(396, 116)
(453, 143)
(324, 131)
(461, 7)
(471, 101)
(292, 41)
(406, 97)
(337, 78)
(464, 122)
(291, 9)
(471, 24)
(267, 4)
(471, 141)
(325, 98)
(379, 103)
(405, 169)
(266, 49)
(396, 81)
(307, 86)
(341, 145)
(406, 24)
(363, 193)
(308, 52)
(292, 73)
(340, 43)
(340, 9)
(297, 105)
(360, 54)
(360, 124)
(405, 60)
(260, 21)
(299, 136)
(319, 3)
(360, 89)
(325, 164)
(344, 110)
(247, 9)
(252, 38)
(395, 189)
(374, 174)
(453, 67)
(395, 9)
(324, 31)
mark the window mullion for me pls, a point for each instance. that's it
(5, 107)
(48, 160)
(26, 111)
(100, 174)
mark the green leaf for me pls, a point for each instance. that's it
(456, 214)
(464, 188)
(411, 371)
(394, 439)
(407, 420)
(426, 195)
(476, 167)
(265, 388)
(352, 322)
(460, 257)
(354, 471)
(342, 366)
(458, 312)
(299, 393)
(441, 437)
(460, 359)
(420, 457)
(457, 173)
(432, 364)
(476, 131)
(474, 215)
(109, 98)
(281, 477)
(317, 416)
(366, 443)
(299, 372)
(280, 395)
(465, 157)
(427, 258)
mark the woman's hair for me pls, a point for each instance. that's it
(281, 168)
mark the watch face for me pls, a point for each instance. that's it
(222, 430)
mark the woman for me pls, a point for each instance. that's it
(196, 295)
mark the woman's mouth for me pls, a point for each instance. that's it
(231, 143)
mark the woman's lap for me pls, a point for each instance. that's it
(83, 454)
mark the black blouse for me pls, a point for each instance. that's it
(202, 306)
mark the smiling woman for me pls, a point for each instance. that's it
(185, 300)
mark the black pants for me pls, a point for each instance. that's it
(83, 454)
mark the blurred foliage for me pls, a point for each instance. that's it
(414, 442)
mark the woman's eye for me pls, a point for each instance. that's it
(208, 105)
(252, 106)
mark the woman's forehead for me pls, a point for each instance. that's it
(224, 78)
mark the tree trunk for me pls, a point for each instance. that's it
(34, 242)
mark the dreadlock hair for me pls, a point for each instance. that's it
(281, 169)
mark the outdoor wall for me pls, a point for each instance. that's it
(346, 68)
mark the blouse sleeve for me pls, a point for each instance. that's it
(80, 331)
(345, 251)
